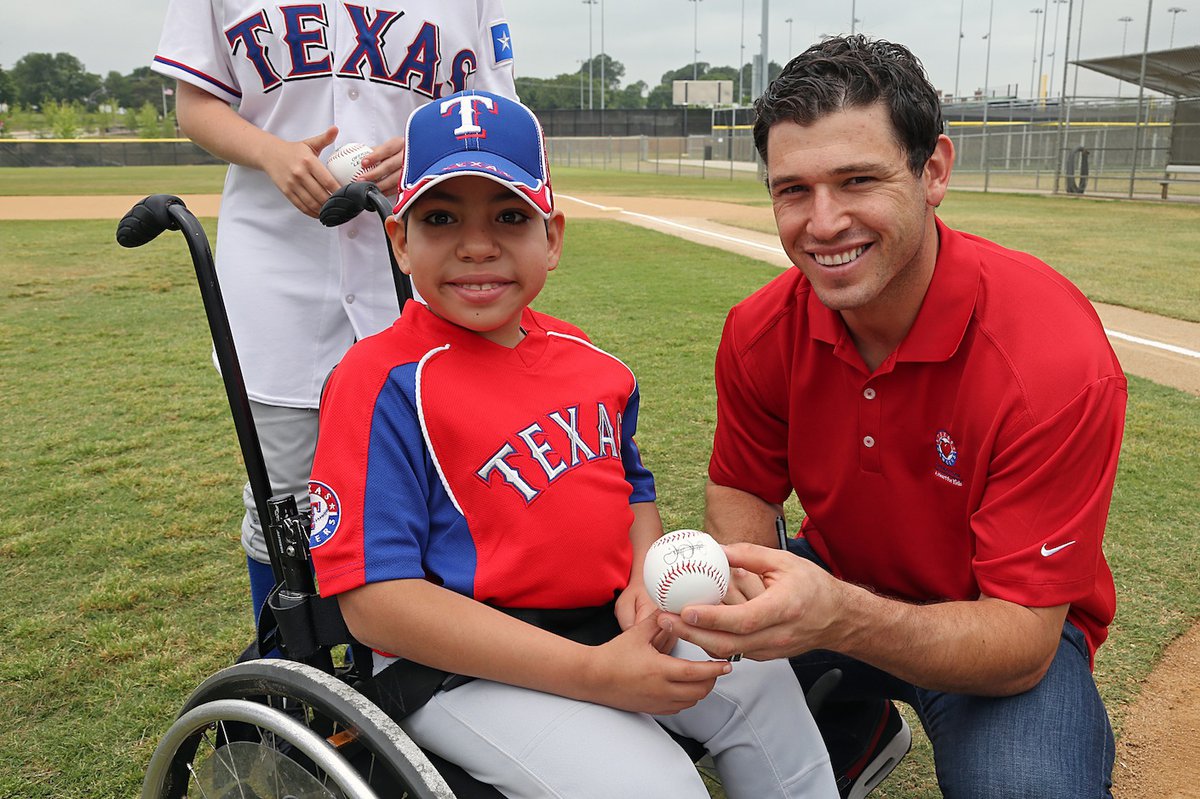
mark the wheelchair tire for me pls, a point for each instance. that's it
(310, 728)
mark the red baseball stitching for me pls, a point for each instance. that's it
(706, 569)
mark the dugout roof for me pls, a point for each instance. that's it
(1173, 72)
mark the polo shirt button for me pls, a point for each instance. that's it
(353, 234)
(869, 393)
(352, 94)
(868, 441)
(349, 299)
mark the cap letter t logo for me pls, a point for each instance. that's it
(468, 114)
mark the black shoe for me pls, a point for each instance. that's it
(866, 740)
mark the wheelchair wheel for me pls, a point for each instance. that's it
(280, 728)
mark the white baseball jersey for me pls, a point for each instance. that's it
(298, 293)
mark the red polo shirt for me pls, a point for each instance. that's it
(978, 458)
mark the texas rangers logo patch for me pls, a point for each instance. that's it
(945, 448)
(326, 512)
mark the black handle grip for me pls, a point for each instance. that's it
(346, 203)
(147, 219)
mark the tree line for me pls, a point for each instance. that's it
(55, 92)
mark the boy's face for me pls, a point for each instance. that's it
(477, 253)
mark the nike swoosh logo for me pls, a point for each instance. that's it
(1048, 551)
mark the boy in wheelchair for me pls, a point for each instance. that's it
(476, 484)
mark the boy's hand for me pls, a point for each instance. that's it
(383, 165)
(634, 605)
(296, 169)
(628, 673)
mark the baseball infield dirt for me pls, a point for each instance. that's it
(1160, 739)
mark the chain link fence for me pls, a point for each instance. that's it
(1097, 147)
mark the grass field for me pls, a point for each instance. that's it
(1135, 254)
(123, 575)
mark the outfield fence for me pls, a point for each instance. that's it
(1100, 146)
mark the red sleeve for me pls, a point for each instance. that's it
(1040, 525)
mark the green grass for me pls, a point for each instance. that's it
(123, 574)
(99, 180)
(1135, 254)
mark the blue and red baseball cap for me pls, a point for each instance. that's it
(476, 133)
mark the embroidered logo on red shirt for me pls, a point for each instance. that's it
(946, 449)
(947, 453)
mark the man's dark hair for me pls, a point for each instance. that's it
(853, 72)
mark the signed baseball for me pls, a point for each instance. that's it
(346, 164)
(686, 567)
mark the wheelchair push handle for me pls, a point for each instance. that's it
(147, 219)
(142, 224)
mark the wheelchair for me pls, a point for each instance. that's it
(301, 725)
(315, 723)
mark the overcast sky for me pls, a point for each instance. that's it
(651, 37)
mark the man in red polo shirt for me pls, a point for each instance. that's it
(949, 414)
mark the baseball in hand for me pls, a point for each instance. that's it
(686, 567)
(346, 164)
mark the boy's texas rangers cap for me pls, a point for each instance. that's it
(476, 133)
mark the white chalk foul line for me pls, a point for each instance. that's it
(1158, 345)
(1145, 342)
(669, 223)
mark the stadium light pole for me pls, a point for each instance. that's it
(1042, 58)
(1174, 11)
(1078, 45)
(788, 55)
(1058, 4)
(853, 18)
(591, 61)
(1033, 69)
(987, 70)
(695, 39)
(1124, 35)
(958, 58)
(742, 56)
(602, 60)
(1137, 128)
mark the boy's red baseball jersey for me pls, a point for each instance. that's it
(503, 474)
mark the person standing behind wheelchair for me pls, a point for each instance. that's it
(949, 414)
(476, 485)
(274, 89)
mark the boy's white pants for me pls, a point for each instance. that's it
(755, 724)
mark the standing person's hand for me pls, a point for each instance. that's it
(383, 165)
(298, 172)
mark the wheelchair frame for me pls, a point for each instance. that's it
(296, 726)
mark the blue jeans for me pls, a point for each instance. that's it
(1053, 741)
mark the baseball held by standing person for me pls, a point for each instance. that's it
(482, 457)
(949, 414)
(274, 90)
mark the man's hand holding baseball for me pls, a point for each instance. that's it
(796, 610)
